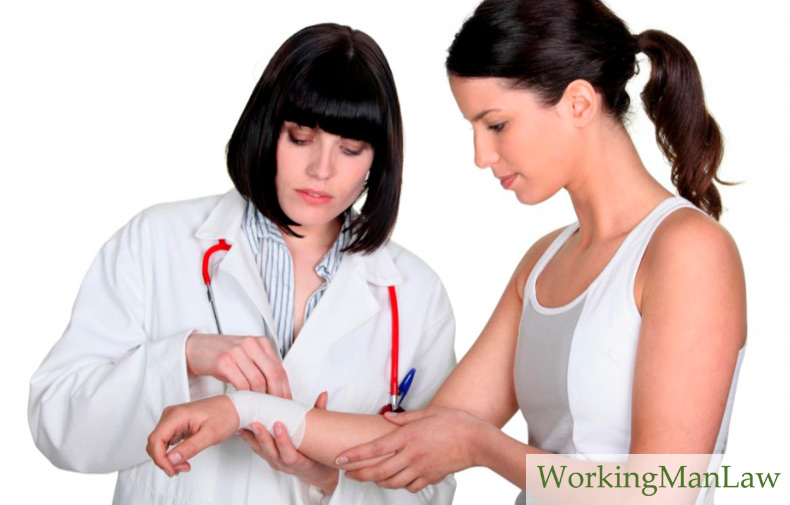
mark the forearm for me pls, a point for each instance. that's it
(327, 434)
(76, 401)
(503, 454)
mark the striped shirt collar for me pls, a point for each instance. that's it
(258, 228)
(275, 266)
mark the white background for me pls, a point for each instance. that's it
(109, 107)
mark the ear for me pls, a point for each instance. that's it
(580, 102)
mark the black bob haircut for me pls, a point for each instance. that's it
(337, 79)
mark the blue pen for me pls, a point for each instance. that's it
(406, 384)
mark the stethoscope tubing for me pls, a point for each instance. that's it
(221, 245)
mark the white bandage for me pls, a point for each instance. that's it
(266, 409)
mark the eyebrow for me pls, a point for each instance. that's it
(483, 114)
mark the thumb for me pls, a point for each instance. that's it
(193, 445)
(404, 418)
(321, 401)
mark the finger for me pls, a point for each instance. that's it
(191, 446)
(418, 485)
(265, 357)
(267, 443)
(400, 480)
(403, 418)
(176, 439)
(249, 439)
(183, 467)
(387, 444)
(169, 426)
(321, 401)
(232, 373)
(382, 471)
(288, 453)
(252, 375)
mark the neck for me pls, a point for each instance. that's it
(612, 191)
(314, 238)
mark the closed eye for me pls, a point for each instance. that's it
(296, 140)
(497, 127)
(351, 152)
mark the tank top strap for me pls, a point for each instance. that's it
(549, 253)
(633, 249)
(628, 256)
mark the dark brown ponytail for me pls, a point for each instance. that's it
(685, 131)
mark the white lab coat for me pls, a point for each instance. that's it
(102, 388)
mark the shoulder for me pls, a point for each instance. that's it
(179, 212)
(408, 264)
(692, 271)
(393, 264)
(689, 242)
(530, 259)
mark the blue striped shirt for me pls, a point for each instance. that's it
(275, 266)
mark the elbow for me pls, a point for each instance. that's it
(69, 443)
(67, 453)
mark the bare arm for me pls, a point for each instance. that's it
(693, 307)
(482, 383)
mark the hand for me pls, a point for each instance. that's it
(430, 445)
(196, 425)
(282, 456)
(248, 363)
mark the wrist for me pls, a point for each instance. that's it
(480, 442)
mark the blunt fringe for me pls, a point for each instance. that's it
(544, 45)
(335, 78)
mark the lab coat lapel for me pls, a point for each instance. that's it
(353, 297)
(225, 222)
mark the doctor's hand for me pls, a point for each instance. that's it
(430, 445)
(282, 456)
(193, 427)
(248, 363)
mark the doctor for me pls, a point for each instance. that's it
(301, 300)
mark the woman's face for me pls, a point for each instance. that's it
(319, 175)
(528, 146)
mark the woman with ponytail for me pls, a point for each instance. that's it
(621, 333)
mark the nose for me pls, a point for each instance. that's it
(485, 153)
(321, 166)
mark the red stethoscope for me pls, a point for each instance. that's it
(396, 396)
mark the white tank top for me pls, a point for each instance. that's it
(574, 365)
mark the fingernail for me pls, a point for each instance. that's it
(186, 470)
(175, 458)
(390, 414)
(342, 460)
(278, 429)
(239, 433)
(256, 430)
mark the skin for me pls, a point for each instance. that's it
(689, 289)
(307, 159)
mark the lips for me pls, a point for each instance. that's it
(507, 181)
(314, 196)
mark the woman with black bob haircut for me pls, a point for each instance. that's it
(622, 333)
(337, 81)
(304, 299)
